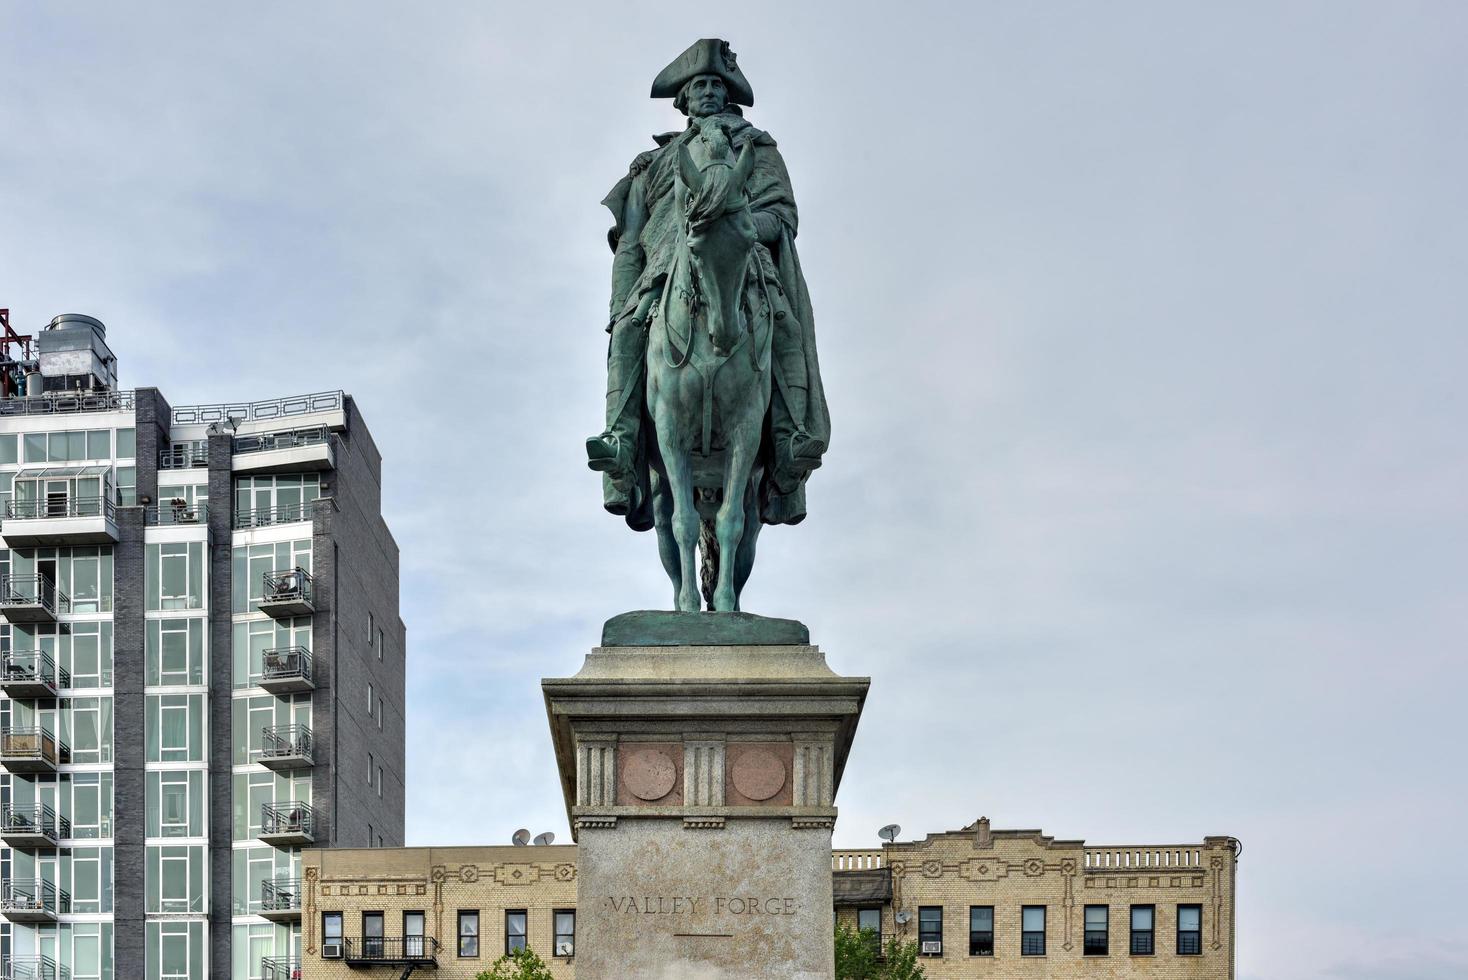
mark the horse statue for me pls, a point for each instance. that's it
(708, 380)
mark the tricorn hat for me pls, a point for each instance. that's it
(710, 56)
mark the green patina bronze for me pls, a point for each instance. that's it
(653, 628)
(716, 415)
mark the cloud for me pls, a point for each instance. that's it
(1141, 329)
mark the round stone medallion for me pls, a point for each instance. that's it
(759, 775)
(649, 774)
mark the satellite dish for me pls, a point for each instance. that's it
(902, 917)
(521, 838)
(889, 833)
(545, 838)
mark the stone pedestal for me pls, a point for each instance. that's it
(700, 783)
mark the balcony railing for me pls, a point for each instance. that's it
(293, 820)
(286, 670)
(864, 859)
(285, 746)
(32, 673)
(280, 968)
(101, 400)
(35, 821)
(33, 591)
(280, 897)
(1143, 943)
(291, 439)
(167, 513)
(32, 968)
(1189, 944)
(270, 516)
(183, 457)
(398, 949)
(275, 408)
(287, 593)
(59, 506)
(1149, 857)
(32, 749)
(29, 899)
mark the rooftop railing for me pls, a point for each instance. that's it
(34, 666)
(99, 400)
(33, 895)
(33, 590)
(59, 506)
(167, 513)
(865, 859)
(183, 457)
(269, 516)
(291, 439)
(33, 818)
(274, 408)
(1149, 857)
(32, 968)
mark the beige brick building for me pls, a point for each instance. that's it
(984, 903)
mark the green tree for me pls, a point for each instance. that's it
(522, 964)
(857, 959)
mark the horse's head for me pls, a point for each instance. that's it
(719, 231)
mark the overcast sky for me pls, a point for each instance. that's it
(1142, 327)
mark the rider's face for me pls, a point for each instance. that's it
(707, 94)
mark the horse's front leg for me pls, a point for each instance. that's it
(684, 520)
(662, 522)
(729, 522)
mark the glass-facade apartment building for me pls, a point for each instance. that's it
(201, 668)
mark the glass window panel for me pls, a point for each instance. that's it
(1034, 919)
(981, 919)
(35, 447)
(8, 448)
(99, 444)
(1096, 917)
(1142, 917)
(1189, 918)
(126, 444)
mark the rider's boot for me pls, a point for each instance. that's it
(797, 452)
(613, 452)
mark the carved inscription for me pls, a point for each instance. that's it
(717, 905)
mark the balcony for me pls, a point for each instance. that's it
(33, 900)
(32, 827)
(285, 747)
(399, 951)
(293, 451)
(60, 519)
(32, 968)
(289, 824)
(31, 599)
(280, 900)
(287, 593)
(177, 512)
(65, 402)
(32, 750)
(244, 520)
(287, 670)
(31, 674)
(280, 968)
(183, 457)
(330, 405)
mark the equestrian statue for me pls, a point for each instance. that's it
(715, 411)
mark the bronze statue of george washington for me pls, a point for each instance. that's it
(707, 85)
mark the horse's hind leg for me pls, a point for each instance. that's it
(662, 520)
(744, 560)
(684, 522)
(729, 523)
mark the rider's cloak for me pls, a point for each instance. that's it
(651, 177)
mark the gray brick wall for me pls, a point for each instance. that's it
(221, 705)
(128, 786)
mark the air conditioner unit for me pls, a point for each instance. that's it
(331, 951)
(933, 947)
(565, 949)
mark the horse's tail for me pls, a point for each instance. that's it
(708, 551)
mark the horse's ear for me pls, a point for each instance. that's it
(688, 170)
(743, 167)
